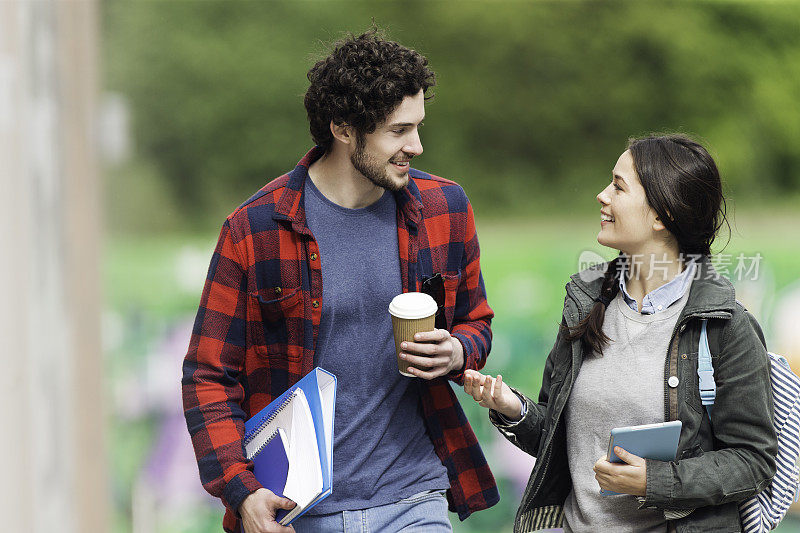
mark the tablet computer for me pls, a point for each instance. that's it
(650, 441)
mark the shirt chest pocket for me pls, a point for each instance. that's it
(276, 322)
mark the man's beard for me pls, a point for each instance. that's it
(372, 169)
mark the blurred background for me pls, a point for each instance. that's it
(130, 130)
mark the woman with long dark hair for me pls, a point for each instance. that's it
(626, 354)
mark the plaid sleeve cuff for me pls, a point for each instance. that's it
(239, 488)
(458, 375)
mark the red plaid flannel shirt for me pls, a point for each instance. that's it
(259, 315)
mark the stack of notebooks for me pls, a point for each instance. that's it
(290, 442)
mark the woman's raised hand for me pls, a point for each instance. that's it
(493, 394)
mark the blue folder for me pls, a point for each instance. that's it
(272, 466)
(271, 460)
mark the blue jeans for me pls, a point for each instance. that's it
(425, 512)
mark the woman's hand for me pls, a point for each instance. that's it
(629, 477)
(493, 393)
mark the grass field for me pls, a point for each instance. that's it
(153, 284)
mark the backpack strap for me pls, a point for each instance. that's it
(705, 370)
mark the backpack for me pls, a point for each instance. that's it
(765, 510)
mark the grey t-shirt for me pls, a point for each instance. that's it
(381, 450)
(624, 387)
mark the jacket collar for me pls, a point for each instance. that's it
(290, 205)
(710, 293)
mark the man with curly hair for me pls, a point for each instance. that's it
(302, 276)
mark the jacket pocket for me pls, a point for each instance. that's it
(692, 451)
(276, 324)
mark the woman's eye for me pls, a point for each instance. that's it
(617, 187)
(398, 131)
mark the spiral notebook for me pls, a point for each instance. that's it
(290, 442)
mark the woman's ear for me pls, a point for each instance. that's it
(658, 224)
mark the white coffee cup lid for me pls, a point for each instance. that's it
(412, 305)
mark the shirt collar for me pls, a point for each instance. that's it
(665, 295)
(290, 204)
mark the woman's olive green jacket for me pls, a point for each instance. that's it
(720, 461)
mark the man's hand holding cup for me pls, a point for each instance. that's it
(433, 354)
(422, 351)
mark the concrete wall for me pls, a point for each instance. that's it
(51, 383)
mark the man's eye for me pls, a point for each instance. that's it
(617, 187)
(398, 131)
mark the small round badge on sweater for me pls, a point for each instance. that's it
(673, 381)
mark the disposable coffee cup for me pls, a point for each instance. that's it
(411, 312)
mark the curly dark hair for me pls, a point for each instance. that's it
(361, 82)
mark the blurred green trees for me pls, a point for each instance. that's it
(534, 101)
